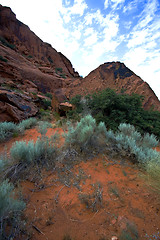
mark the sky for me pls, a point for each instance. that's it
(92, 32)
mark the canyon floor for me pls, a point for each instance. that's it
(95, 199)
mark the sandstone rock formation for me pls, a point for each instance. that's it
(116, 75)
(15, 106)
(27, 64)
(60, 102)
(33, 68)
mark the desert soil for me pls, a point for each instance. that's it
(104, 198)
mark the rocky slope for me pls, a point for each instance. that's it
(27, 65)
(116, 75)
(30, 67)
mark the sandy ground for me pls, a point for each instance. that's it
(105, 198)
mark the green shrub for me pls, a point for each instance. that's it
(63, 75)
(3, 163)
(133, 143)
(49, 95)
(6, 43)
(3, 59)
(10, 129)
(6, 130)
(86, 134)
(153, 170)
(10, 211)
(114, 108)
(41, 152)
(59, 70)
(43, 126)
(46, 103)
(45, 115)
(27, 124)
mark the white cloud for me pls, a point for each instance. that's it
(92, 39)
(88, 31)
(148, 13)
(78, 8)
(115, 3)
(132, 5)
(106, 3)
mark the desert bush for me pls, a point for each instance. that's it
(10, 211)
(134, 144)
(10, 129)
(6, 130)
(87, 134)
(26, 124)
(3, 163)
(41, 152)
(43, 126)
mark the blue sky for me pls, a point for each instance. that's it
(91, 32)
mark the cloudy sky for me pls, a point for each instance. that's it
(91, 32)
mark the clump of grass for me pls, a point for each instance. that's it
(114, 190)
(130, 233)
(67, 237)
(93, 201)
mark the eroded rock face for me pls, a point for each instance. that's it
(15, 107)
(26, 58)
(116, 75)
(28, 65)
(27, 43)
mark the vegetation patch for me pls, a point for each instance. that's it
(7, 44)
(3, 59)
(11, 210)
(10, 129)
(86, 135)
(94, 200)
(115, 108)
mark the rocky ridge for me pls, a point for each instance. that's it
(116, 75)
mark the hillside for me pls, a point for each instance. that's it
(116, 75)
(29, 68)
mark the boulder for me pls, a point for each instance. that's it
(65, 106)
(15, 106)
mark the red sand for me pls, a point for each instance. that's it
(56, 210)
